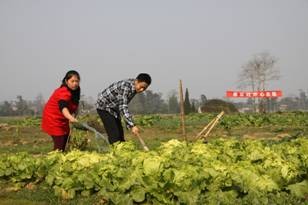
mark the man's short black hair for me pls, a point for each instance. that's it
(144, 77)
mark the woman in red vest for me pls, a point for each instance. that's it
(61, 108)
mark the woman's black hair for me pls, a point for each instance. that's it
(75, 93)
(69, 75)
(144, 77)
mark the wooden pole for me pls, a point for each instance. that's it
(205, 128)
(182, 111)
(214, 124)
(145, 147)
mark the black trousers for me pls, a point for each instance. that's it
(59, 142)
(113, 126)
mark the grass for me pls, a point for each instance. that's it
(24, 139)
(41, 195)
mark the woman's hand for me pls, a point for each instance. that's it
(73, 120)
(68, 115)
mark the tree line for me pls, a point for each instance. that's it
(151, 102)
(22, 107)
(148, 102)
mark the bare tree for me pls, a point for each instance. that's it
(257, 73)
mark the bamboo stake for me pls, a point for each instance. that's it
(208, 125)
(213, 124)
(182, 111)
(205, 128)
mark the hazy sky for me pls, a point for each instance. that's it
(204, 43)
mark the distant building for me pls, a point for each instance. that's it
(245, 110)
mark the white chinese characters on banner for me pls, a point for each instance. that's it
(254, 94)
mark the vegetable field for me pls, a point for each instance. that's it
(229, 168)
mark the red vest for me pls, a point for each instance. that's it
(53, 122)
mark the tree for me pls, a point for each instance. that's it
(203, 99)
(154, 103)
(257, 73)
(187, 105)
(22, 107)
(86, 105)
(38, 104)
(148, 102)
(138, 103)
(302, 100)
(289, 102)
(193, 107)
(173, 103)
(6, 109)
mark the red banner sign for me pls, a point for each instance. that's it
(254, 94)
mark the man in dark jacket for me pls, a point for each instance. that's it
(113, 102)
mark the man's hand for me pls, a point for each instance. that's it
(135, 130)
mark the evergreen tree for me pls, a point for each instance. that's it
(187, 105)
